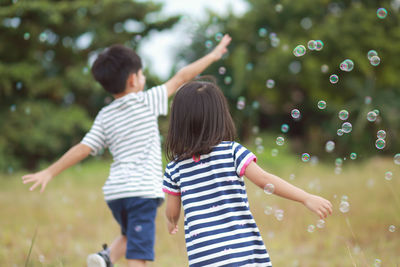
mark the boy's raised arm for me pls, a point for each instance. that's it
(71, 157)
(190, 71)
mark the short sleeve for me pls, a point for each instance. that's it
(242, 158)
(157, 99)
(169, 185)
(95, 138)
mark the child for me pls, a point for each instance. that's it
(206, 176)
(128, 127)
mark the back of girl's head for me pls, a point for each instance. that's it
(199, 120)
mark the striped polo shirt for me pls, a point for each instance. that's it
(219, 227)
(128, 127)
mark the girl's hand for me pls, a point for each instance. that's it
(319, 205)
(172, 228)
(221, 48)
(39, 178)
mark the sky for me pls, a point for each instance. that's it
(158, 48)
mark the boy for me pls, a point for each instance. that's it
(128, 127)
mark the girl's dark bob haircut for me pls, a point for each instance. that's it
(199, 120)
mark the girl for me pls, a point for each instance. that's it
(205, 175)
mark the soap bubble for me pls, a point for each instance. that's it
(219, 36)
(268, 210)
(274, 152)
(347, 65)
(311, 228)
(340, 132)
(371, 53)
(324, 68)
(319, 45)
(262, 32)
(388, 176)
(396, 159)
(377, 263)
(371, 116)
(392, 228)
(333, 78)
(338, 162)
(284, 128)
(380, 143)
(344, 206)
(305, 157)
(208, 44)
(343, 115)
(295, 113)
(329, 146)
(280, 141)
(321, 104)
(381, 134)
(312, 45)
(381, 13)
(353, 156)
(279, 214)
(222, 70)
(228, 80)
(241, 103)
(269, 189)
(375, 61)
(270, 83)
(258, 141)
(321, 223)
(299, 51)
(347, 127)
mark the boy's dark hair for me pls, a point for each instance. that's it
(200, 120)
(113, 66)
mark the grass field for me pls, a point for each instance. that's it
(72, 220)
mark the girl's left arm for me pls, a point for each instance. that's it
(261, 178)
(172, 212)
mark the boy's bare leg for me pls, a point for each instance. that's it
(118, 248)
(136, 263)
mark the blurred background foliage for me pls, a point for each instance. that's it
(48, 98)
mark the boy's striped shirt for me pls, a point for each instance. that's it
(219, 227)
(128, 127)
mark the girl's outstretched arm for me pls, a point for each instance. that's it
(261, 178)
(172, 212)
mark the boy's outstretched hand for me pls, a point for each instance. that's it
(221, 48)
(39, 178)
(319, 205)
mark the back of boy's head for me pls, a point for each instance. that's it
(200, 119)
(113, 66)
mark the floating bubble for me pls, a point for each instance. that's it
(241, 103)
(278, 8)
(371, 116)
(305, 157)
(381, 13)
(260, 149)
(321, 104)
(295, 114)
(324, 68)
(279, 214)
(312, 45)
(268, 210)
(380, 143)
(249, 66)
(262, 32)
(274, 152)
(333, 78)
(284, 128)
(208, 44)
(222, 70)
(338, 162)
(311, 228)
(371, 53)
(18, 85)
(367, 100)
(218, 36)
(381, 134)
(338, 170)
(392, 228)
(375, 61)
(343, 114)
(227, 80)
(27, 36)
(269, 189)
(280, 141)
(255, 130)
(258, 141)
(321, 223)
(347, 65)
(329, 146)
(255, 105)
(347, 127)
(388, 176)
(319, 45)
(377, 263)
(306, 23)
(396, 159)
(340, 132)
(270, 83)
(344, 206)
(344, 198)
(299, 51)
(353, 156)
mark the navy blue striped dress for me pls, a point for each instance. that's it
(219, 227)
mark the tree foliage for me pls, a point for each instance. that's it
(262, 48)
(48, 98)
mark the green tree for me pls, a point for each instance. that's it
(262, 48)
(48, 98)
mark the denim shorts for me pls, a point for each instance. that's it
(136, 216)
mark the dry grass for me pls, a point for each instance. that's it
(72, 219)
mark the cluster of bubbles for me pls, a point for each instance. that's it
(312, 45)
(380, 142)
(347, 65)
(373, 58)
(320, 224)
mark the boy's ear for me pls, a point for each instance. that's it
(130, 82)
